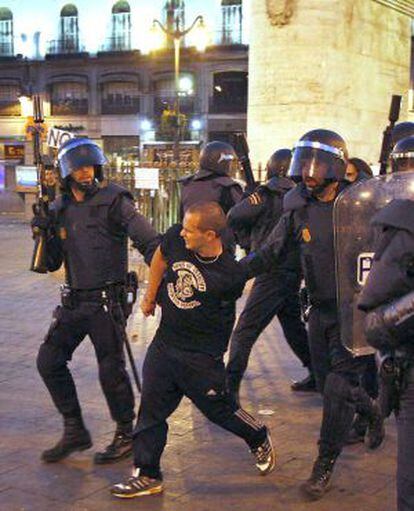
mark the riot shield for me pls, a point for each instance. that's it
(354, 247)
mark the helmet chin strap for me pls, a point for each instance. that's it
(319, 189)
(87, 188)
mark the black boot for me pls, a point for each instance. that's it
(120, 447)
(75, 438)
(308, 384)
(376, 430)
(319, 481)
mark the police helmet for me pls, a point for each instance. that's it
(402, 156)
(80, 152)
(320, 154)
(401, 130)
(217, 157)
(278, 163)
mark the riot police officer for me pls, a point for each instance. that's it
(390, 324)
(88, 231)
(318, 164)
(212, 182)
(275, 292)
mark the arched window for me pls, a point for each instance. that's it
(69, 98)
(120, 97)
(229, 92)
(232, 16)
(69, 30)
(121, 27)
(9, 94)
(6, 32)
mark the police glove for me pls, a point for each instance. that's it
(40, 223)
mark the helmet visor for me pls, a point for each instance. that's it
(317, 161)
(402, 162)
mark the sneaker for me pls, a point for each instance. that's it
(376, 429)
(137, 486)
(308, 384)
(265, 456)
(119, 449)
(320, 480)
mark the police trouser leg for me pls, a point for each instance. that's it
(338, 412)
(320, 330)
(267, 298)
(405, 429)
(343, 395)
(294, 329)
(66, 332)
(160, 397)
(113, 375)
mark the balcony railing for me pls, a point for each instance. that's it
(70, 106)
(187, 104)
(6, 49)
(122, 43)
(65, 46)
(227, 37)
(227, 105)
(120, 105)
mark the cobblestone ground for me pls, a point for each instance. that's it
(205, 468)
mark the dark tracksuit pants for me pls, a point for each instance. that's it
(169, 374)
(69, 327)
(405, 429)
(272, 294)
(339, 377)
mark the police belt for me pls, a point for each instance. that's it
(71, 297)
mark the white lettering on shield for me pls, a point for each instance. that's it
(364, 264)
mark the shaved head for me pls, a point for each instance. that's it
(210, 216)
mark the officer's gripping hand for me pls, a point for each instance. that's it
(148, 306)
(40, 224)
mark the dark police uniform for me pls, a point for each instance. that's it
(90, 238)
(273, 293)
(392, 276)
(208, 186)
(197, 299)
(308, 223)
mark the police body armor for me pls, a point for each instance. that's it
(355, 244)
(207, 186)
(95, 250)
(274, 191)
(313, 221)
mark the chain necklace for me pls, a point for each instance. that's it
(209, 261)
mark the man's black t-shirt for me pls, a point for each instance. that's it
(197, 297)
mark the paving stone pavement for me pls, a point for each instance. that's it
(205, 468)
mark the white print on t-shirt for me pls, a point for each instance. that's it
(188, 280)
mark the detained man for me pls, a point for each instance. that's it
(196, 282)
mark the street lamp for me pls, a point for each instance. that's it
(172, 30)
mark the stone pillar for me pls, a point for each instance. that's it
(325, 64)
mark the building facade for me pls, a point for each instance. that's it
(92, 63)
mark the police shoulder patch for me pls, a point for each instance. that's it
(62, 233)
(306, 235)
(255, 199)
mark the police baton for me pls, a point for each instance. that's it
(119, 321)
